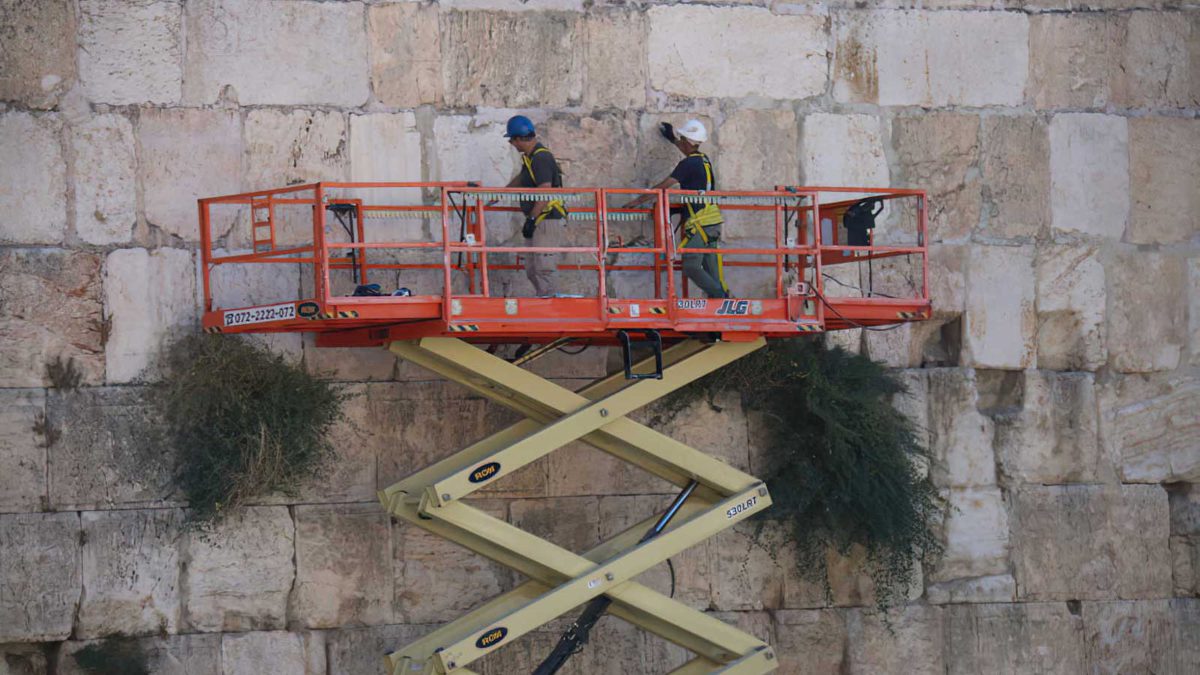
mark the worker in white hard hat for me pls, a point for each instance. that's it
(700, 223)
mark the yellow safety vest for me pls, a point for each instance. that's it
(707, 214)
(555, 204)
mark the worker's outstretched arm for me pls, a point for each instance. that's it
(665, 184)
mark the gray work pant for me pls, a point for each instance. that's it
(542, 268)
(701, 268)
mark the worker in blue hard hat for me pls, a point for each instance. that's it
(545, 219)
(700, 223)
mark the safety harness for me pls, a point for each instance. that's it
(706, 216)
(555, 205)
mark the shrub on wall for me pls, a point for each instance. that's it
(843, 463)
(245, 422)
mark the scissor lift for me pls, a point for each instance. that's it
(689, 338)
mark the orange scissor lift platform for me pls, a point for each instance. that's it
(310, 248)
(799, 241)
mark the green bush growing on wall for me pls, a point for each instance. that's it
(843, 463)
(245, 422)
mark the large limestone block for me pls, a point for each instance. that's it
(105, 180)
(485, 59)
(37, 51)
(1054, 436)
(605, 474)
(273, 652)
(1185, 565)
(1000, 322)
(1071, 298)
(842, 150)
(570, 522)
(745, 572)
(1148, 297)
(1090, 542)
(276, 53)
(24, 436)
(343, 566)
(1164, 180)
(748, 52)
(238, 574)
(50, 314)
(1014, 638)
(167, 655)
(39, 576)
(960, 438)
(186, 154)
(939, 153)
(931, 58)
(1089, 174)
(130, 573)
(1016, 176)
(297, 146)
(1161, 65)
(767, 153)
(110, 451)
(1073, 63)
(131, 52)
(993, 588)
(469, 148)
(615, 58)
(437, 580)
(1136, 637)
(150, 297)
(593, 150)
(358, 651)
(912, 643)
(1152, 428)
(33, 184)
(387, 147)
(405, 52)
(24, 658)
(976, 535)
(1194, 310)
(810, 641)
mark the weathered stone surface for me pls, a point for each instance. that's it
(24, 659)
(1089, 174)
(960, 437)
(931, 58)
(300, 146)
(605, 474)
(149, 297)
(359, 651)
(33, 179)
(105, 180)
(397, 133)
(1070, 308)
(437, 580)
(405, 52)
(1019, 638)
(1072, 60)
(999, 323)
(1016, 176)
(1164, 182)
(273, 652)
(184, 155)
(615, 58)
(485, 59)
(976, 535)
(593, 150)
(170, 655)
(1054, 436)
(349, 364)
(39, 579)
(1146, 327)
(767, 150)
(914, 643)
(36, 333)
(751, 52)
(1161, 65)
(237, 576)
(277, 53)
(995, 588)
(1134, 637)
(839, 150)
(24, 436)
(810, 641)
(1194, 310)
(37, 52)
(131, 52)
(343, 566)
(744, 572)
(570, 522)
(130, 573)
(1152, 427)
(939, 152)
(109, 451)
(1090, 542)
(1185, 565)
(468, 148)
(620, 512)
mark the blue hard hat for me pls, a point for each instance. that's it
(519, 125)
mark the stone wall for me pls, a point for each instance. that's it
(1058, 384)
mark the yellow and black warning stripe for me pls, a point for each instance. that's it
(658, 310)
(808, 327)
(463, 328)
(911, 315)
(614, 310)
(213, 329)
(348, 314)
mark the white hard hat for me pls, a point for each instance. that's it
(694, 130)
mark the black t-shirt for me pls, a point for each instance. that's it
(691, 176)
(545, 170)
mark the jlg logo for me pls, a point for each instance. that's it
(484, 472)
(491, 637)
(734, 308)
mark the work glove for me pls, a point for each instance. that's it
(530, 226)
(667, 131)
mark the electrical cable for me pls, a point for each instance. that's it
(877, 329)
